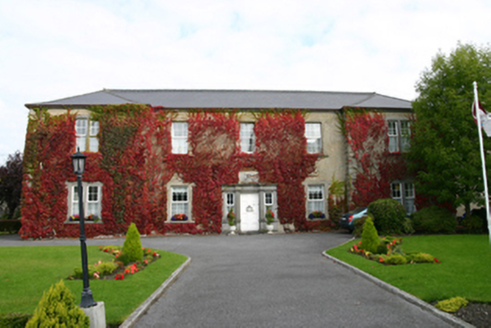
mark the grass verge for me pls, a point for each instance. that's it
(464, 269)
(26, 272)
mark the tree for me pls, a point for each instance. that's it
(444, 150)
(11, 183)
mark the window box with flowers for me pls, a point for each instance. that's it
(316, 215)
(179, 217)
(88, 219)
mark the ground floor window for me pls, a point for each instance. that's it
(180, 203)
(229, 203)
(268, 200)
(92, 199)
(404, 193)
(315, 202)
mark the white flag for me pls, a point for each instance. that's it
(484, 117)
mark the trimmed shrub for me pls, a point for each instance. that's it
(388, 216)
(57, 308)
(132, 247)
(395, 259)
(11, 226)
(407, 226)
(359, 226)
(382, 249)
(369, 237)
(106, 268)
(475, 223)
(452, 304)
(14, 320)
(420, 258)
(79, 274)
(434, 219)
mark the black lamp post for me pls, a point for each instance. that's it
(78, 161)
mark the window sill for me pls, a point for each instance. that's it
(85, 222)
(316, 219)
(187, 221)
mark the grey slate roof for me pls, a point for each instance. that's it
(247, 99)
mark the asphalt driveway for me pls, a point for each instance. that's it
(267, 281)
(273, 281)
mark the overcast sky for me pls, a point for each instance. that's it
(51, 49)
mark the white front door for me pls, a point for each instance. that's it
(249, 212)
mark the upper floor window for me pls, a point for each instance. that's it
(86, 132)
(314, 137)
(179, 135)
(247, 137)
(399, 135)
(404, 193)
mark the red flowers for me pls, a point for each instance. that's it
(119, 276)
(436, 261)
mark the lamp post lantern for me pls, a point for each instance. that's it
(78, 161)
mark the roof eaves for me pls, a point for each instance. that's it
(45, 104)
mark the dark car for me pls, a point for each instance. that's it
(347, 221)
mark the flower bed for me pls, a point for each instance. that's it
(390, 252)
(116, 269)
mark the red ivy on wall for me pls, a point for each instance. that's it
(367, 136)
(134, 164)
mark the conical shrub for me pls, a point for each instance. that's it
(369, 236)
(57, 308)
(132, 247)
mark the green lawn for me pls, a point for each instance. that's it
(25, 272)
(465, 268)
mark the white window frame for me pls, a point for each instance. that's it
(404, 193)
(173, 211)
(73, 204)
(179, 142)
(313, 134)
(87, 140)
(396, 191)
(229, 202)
(266, 203)
(321, 200)
(247, 138)
(399, 133)
(405, 135)
(409, 198)
(393, 136)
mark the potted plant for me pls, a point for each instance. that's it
(269, 221)
(231, 221)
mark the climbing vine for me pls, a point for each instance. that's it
(135, 163)
(47, 166)
(375, 168)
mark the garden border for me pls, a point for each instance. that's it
(143, 308)
(448, 318)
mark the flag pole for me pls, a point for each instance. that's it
(483, 159)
